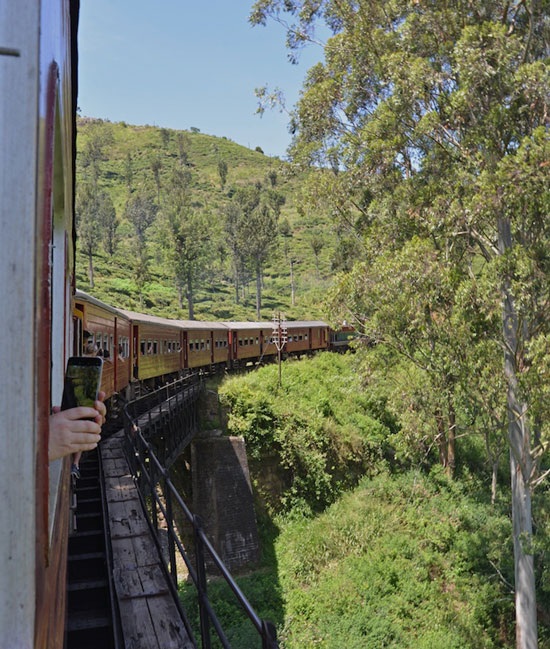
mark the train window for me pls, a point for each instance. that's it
(300, 337)
(240, 342)
(142, 346)
(202, 343)
(155, 347)
(257, 340)
(305, 336)
(149, 346)
(190, 345)
(207, 344)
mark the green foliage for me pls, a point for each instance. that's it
(262, 591)
(125, 160)
(402, 561)
(321, 425)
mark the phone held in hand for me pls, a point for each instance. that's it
(82, 381)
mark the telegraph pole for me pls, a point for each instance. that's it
(279, 336)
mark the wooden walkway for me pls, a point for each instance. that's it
(149, 616)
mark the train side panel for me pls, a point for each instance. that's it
(159, 350)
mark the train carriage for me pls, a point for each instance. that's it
(249, 341)
(156, 346)
(37, 136)
(109, 330)
(306, 335)
(204, 343)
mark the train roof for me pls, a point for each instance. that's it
(85, 297)
(168, 322)
(195, 324)
(290, 324)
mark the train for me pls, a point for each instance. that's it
(146, 350)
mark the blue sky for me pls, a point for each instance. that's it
(183, 63)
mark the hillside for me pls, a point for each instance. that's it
(363, 549)
(125, 161)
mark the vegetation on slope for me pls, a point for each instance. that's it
(172, 180)
(364, 546)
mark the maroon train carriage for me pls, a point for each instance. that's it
(306, 335)
(109, 329)
(250, 341)
(156, 346)
(204, 343)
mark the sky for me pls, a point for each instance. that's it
(187, 63)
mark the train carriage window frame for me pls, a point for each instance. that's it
(208, 344)
(149, 346)
(155, 347)
(257, 340)
(143, 347)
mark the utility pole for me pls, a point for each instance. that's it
(279, 337)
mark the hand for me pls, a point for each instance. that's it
(73, 431)
(101, 409)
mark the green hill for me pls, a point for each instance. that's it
(121, 160)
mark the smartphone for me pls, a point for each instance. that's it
(82, 381)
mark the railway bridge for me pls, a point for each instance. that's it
(128, 543)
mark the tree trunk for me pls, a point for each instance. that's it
(189, 296)
(521, 461)
(237, 284)
(451, 436)
(441, 439)
(90, 268)
(180, 295)
(258, 291)
(494, 478)
(292, 293)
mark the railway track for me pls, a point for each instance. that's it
(92, 618)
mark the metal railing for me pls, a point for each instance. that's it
(148, 471)
(168, 416)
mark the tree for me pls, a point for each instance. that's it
(257, 228)
(156, 165)
(140, 211)
(222, 171)
(272, 177)
(237, 243)
(316, 243)
(99, 136)
(108, 222)
(129, 171)
(185, 235)
(440, 113)
(87, 224)
(165, 137)
(184, 144)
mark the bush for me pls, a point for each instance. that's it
(323, 429)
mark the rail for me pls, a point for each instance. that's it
(168, 416)
(148, 471)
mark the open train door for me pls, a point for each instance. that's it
(310, 335)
